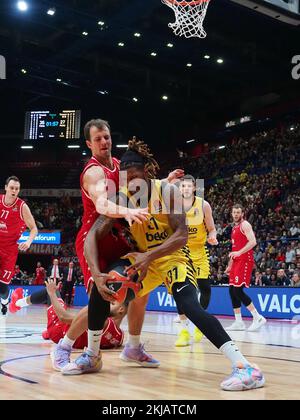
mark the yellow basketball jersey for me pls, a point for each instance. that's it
(196, 226)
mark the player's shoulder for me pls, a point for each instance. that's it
(245, 225)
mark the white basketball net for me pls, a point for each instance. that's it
(189, 17)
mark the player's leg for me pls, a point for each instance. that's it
(184, 336)
(258, 320)
(18, 301)
(134, 351)
(244, 376)
(91, 361)
(235, 296)
(4, 297)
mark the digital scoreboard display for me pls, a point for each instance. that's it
(47, 125)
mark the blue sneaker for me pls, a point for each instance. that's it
(60, 356)
(139, 356)
(243, 378)
(83, 364)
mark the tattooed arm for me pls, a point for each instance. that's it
(99, 230)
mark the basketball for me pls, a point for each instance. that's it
(124, 286)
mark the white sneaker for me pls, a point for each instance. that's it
(257, 324)
(237, 326)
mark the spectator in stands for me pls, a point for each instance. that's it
(290, 255)
(296, 279)
(266, 277)
(282, 279)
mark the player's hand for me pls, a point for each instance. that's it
(137, 215)
(176, 174)
(212, 240)
(100, 282)
(24, 246)
(51, 286)
(141, 264)
(234, 255)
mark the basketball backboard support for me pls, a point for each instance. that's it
(287, 11)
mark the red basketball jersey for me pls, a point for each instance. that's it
(12, 224)
(112, 336)
(239, 240)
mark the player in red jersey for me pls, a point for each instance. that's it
(40, 275)
(240, 269)
(15, 216)
(59, 319)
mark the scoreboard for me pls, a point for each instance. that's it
(47, 125)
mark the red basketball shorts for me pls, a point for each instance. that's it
(240, 273)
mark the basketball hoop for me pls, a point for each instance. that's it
(189, 17)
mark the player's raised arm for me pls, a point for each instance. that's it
(248, 232)
(210, 224)
(94, 183)
(63, 315)
(30, 223)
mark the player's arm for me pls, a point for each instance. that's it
(248, 231)
(30, 223)
(94, 183)
(98, 231)
(174, 176)
(63, 315)
(210, 224)
(177, 221)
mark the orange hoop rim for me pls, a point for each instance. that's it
(187, 3)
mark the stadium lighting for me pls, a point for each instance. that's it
(122, 146)
(121, 44)
(135, 99)
(292, 128)
(103, 92)
(85, 33)
(73, 146)
(83, 153)
(221, 147)
(51, 11)
(165, 98)
(101, 23)
(27, 147)
(154, 54)
(58, 80)
(24, 71)
(170, 45)
(137, 34)
(220, 61)
(189, 64)
(22, 6)
(191, 141)
(207, 57)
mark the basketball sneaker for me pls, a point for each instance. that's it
(15, 296)
(4, 309)
(184, 339)
(257, 324)
(83, 364)
(60, 356)
(243, 378)
(237, 326)
(198, 335)
(139, 356)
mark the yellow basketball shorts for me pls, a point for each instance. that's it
(168, 270)
(200, 260)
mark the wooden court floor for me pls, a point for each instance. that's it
(191, 373)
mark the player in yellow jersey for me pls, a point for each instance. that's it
(161, 257)
(201, 229)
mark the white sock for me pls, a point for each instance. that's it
(231, 351)
(255, 315)
(134, 341)
(238, 317)
(4, 301)
(67, 341)
(22, 303)
(184, 324)
(94, 342)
